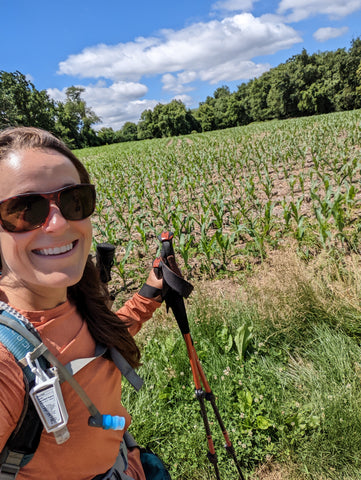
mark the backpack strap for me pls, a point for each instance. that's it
(19, 336)
(126, 369)
(120, 362)
(117, 471)
(26, 437)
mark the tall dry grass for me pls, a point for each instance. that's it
(291, 295)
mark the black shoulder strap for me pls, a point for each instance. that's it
(25, 439)
(127, 371)
(23, 442)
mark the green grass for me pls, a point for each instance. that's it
(289, 401)
(325, 380)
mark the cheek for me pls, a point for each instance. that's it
(15, 243)
(87, 233)
(11, 251)
(89, 230)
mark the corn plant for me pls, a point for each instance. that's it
(231, 194)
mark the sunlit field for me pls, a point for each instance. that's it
(266, 222)
(232, 195)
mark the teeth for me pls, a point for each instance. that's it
(55, 250)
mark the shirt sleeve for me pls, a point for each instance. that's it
(12, 393)
(136, 311)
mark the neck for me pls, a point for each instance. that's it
(30, 300)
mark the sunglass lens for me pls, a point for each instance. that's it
(77, 203)
(24, 213)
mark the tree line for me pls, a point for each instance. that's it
(323, 82)
(22, 104)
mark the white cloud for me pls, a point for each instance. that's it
(323, 34)
(176, 83)
(115, 115)
(56, 94)
(213, 51)
(297, 10)
(233, 70)
(186, 99)
(117, 92)
(114, 104)
(218, 50)
(234, 5)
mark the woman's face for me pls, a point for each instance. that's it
(32, 260)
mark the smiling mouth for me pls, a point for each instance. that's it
(51, 252)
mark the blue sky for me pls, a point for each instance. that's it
(129, 56)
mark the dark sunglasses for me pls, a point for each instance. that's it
(29, 211)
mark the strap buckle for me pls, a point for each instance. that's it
(10, 468)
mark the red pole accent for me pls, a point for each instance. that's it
(166, 236)
(207, 388)
(211, 445)
(226, 437)
(193, 360)
(157, 262)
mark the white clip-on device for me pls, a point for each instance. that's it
(49, 403)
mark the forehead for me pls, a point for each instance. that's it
(35, 170)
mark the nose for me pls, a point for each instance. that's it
(55, 221)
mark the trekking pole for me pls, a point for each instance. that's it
(176, 288)
(105, 253)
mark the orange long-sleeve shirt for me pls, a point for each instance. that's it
(89, 451)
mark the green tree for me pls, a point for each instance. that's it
(222, 97)
(206, 117)
(129, 132)
(258, 93)
(358, 73)
(75, 120)
(348, 98)
(146, 126)
(314, 100)
(281, 96)
(22, 104)
(106, 136)
(237, 108)
(167, 120)
(242, 97)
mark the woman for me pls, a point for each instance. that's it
(47, 275)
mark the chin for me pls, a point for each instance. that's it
(60, 279)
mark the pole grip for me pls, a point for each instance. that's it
(178, 288)
(104, 260)
(166, 239)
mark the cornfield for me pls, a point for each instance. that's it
(230, 196)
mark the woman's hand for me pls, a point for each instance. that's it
(153, 281)
(152, 287)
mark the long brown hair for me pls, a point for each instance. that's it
(89, 295)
